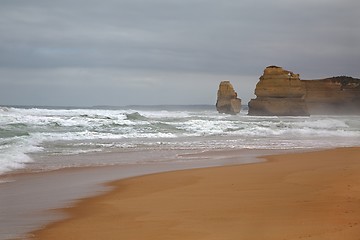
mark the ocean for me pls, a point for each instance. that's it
(42, 139)
(133, 141)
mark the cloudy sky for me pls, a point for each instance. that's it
(120, 52)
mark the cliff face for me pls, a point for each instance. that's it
(281, 92)
(227, 101)
(338, 95)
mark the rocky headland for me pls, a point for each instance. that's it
(282, 93)
(336, 95)
(227, 100)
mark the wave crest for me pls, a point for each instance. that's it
(135, 116)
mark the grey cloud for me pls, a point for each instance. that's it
(167, 37)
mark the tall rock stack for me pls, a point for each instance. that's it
(227, 100)
(279, 92)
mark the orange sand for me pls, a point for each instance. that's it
(312, 195)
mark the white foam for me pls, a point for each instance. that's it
(13, 160)
(174, 129)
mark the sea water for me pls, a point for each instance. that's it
(28, 135)
(42, 139)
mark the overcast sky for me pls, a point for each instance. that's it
(120, 52)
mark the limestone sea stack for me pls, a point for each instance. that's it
(279, 92)
(227, 100)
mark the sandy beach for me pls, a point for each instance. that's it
(313, 195)
(28, 198)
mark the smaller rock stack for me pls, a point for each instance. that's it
(227, 101)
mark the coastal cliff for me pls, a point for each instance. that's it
(281, 92)
(227, 100)
(336, 95)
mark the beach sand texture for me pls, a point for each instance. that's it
(313, 195)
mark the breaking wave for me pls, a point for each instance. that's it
(135, 116)
(64, 131)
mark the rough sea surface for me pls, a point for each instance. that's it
(30, 134)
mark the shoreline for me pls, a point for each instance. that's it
(31, 200)
(312, 195)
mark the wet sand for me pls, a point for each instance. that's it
(28, 200)
(313, 195)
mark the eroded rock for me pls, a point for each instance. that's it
(227, 100)
(281, 92)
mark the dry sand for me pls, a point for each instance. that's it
(312, 195)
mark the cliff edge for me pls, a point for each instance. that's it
(336, 95)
